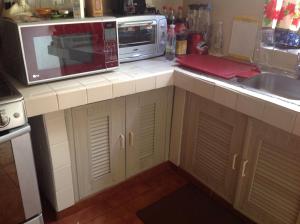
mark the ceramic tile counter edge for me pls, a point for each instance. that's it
(274, 111)
(157, 73)
(129, 79)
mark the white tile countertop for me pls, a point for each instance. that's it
(275, 111)
(156, 73)
(130, 78)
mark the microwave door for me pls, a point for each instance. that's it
(73, 49)
(73, 40)
(72, 56)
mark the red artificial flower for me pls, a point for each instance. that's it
(270, 10)
(281, 14)
(296, 22)
(291, 8)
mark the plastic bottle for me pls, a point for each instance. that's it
(180, 18)
(165, 12)
(172, 17)
(171, 43)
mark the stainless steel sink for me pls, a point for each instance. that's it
(275, 84)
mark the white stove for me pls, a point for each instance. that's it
(12, 111)
(19, 193)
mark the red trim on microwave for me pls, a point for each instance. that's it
(77, 48)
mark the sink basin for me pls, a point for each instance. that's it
(275, 84)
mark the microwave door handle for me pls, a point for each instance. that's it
(128, 24)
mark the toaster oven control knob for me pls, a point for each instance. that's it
(4, 120)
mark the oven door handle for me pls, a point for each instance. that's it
(143, 23)
(14, 133)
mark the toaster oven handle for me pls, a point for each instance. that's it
(142, 23)
(135, 55)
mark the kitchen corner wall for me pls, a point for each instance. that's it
(226, 10)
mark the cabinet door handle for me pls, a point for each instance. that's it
(122, 141)
(131, 137)
(235, 156)
(244, 168)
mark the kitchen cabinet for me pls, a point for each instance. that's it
(269, 184)
(212, 144)
(116, 139)
(147, 120)
(98, 137)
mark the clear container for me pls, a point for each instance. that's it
(193, 17)
(219, 39)
(172, 17)
(260, 55)
(207, 21)
(78, 9)
(200, 27)
(171, 43)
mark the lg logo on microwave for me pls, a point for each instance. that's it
(35, 76)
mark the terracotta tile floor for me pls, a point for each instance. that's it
(119, 204)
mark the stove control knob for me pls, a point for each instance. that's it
(17, 115)
(4, 120)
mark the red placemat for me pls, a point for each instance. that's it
(220, 67)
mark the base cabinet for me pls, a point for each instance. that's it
(147, 119)
(212, 144)
(269, 183)
(118, 138)
(249, 163)
(99, 145)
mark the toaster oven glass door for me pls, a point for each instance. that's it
(52, 51)
(137, 34)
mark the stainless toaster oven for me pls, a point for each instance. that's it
(141, 37)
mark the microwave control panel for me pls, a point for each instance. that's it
(110, 44)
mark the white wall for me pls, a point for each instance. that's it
(226, 10)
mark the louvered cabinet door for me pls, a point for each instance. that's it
(146, 130)
(212, 144)
(99, 147)
(269, 184)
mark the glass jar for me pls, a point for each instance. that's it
(192, 18)
(219, 39)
